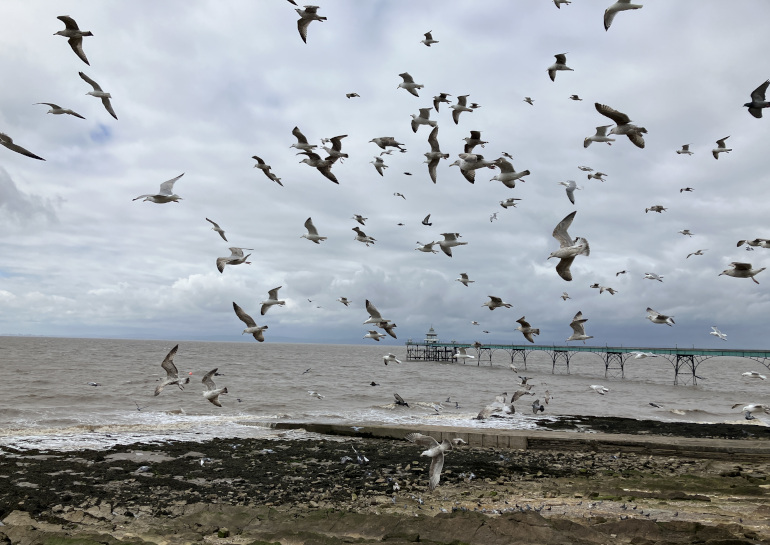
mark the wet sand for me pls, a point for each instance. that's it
(591, 489)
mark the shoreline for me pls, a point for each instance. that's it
(584, 489)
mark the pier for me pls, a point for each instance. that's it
(685, 361)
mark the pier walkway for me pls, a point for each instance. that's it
(685, 361)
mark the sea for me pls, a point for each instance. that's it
(66, 394)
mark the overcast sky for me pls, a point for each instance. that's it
(201, 86)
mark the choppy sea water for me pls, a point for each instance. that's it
(48, 403)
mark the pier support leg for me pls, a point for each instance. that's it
(614, 362)
(560, 356)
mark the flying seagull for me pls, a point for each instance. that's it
(384, 141)
(374, 315)
(560, 64)
(464, 280)
(324, 166)
(58, 110)
(218, 229)
(599, 389)
(363, 237)
(441, 97)
(570, 187)
(212, 392)
(716, 333)
(400, 400)
(459, 108)
(658, 318)
(575, 97)
(345, 301)
(74, 36)
(435, 451)
(508, 174)
(758, 100)
(236, 257)
(527, 330)
(97, 92)
(578, 328)
(352, 95)
(302, 143)
(620, 5)
(529, 101)
(165, 194)
(742, 270)
(450, 241)
(685, 150)
(721, 148)
(306, 16)
(754, 374)
(172, 375)
(7, 142)
(409, 84)
(272, 299)
(264, 167)
(752, 408)
(495, 302)
(426, 220)
(600, 136)
(380, 165)
(507, 203)
(569, 249)
(312, 233)
(622, 124)
(472, 141)
(374, 334)
(653, 276)
(427, 248)
(251, 325)
(390, 358)
(429, 39)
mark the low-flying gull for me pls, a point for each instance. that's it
(400, 400)
(508, 174)
(441, 97)
(718, 334)
(657, 318)
(578, 328)
(459, 108)
(251, 325)
(462, 354)
(527, 330)
(312, 233)
(754, 374)
(569, 248)
(7, 142)
(315, 394)
(390, 358)
(449, 242)
(362, 237)
(620, 5)
(165, 194)
(653, 276)
(570, 187)
(721, 148)
(622, 124)
(685, 150)
(758, 100)
(58, 110)
(427, 248)
(272, 299)
(218, 229)
(435, 451)
(306, 16)
(537, 406)
(212, 392)
(374, 334)
(599, 389)
(560, 64)
(495, 302)
(742, 270)
(74, 36)
(97, 92)
(172, 375)
(428, 39)
(464, 280)
(643, 355)
(409, 84)
(236, 257)
(600, 136)
(751, 408)
(264, 167)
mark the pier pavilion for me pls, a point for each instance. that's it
(685, 361)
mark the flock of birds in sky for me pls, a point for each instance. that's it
(324, 156)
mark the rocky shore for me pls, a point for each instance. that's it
(318, 490)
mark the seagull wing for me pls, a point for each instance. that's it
(69, 22)
(420, 439)
(406, 77)
(372, 310)
(76, 43)
(298, 134)
(560, 231)
(91, 82)
(167, 187)
(168, 363)
(7, 141)
(563, 268)
(245, 318)
(310, 227)
(207, 379)
(436, 465)
(618, 117)
(758, 94)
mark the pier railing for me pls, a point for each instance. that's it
(685, 361)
